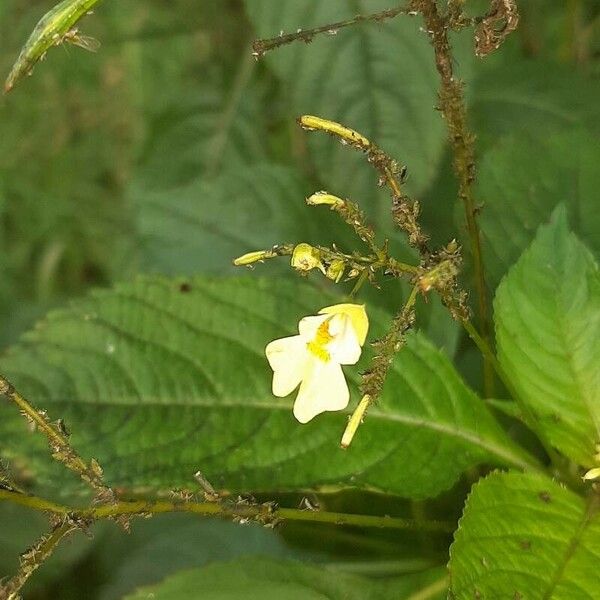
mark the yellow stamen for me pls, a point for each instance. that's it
(321, 339)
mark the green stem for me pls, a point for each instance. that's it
(260, 512)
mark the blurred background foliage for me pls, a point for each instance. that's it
(172, 150)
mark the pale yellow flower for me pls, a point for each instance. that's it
(313, 359)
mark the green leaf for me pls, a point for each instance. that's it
(205, 192)
(170, 543)
(263, 579)
(547, 314)
(202, 226)
(161, 377)
(215, 126)
(531, 97)
(521, 181)
(524, 536)
(378, 78)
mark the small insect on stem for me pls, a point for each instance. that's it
(54, 28)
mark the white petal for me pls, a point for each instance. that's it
(323, 388)
(345, 347)
(356, 313)
(307, 327)
(287, 357)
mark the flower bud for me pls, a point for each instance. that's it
(252, 257)
(324, 198)
(306, 257)
(452, 247)
(335, 270)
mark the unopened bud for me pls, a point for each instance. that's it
(306, 257)
(324, 198)
(335, 270)
(253, 257)
(312, 123)
(452, 247)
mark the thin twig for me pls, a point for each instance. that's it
(452, 105)
(262, 46)
(59, 445)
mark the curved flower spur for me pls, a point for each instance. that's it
(313, 359)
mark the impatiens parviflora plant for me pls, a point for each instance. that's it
(313, 359)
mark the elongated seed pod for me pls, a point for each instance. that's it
(55, 27)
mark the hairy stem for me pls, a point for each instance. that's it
(374, 378)
(57, 440)
(34, 558)
(261, 47)
(452, 105)
(264, 513)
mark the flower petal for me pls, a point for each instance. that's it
(357, 315)
(307, 327)
(324, 388)
(287, 357)
(344, 348)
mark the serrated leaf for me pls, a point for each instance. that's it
(521, 181)
(547, 315)
(263, 579)
(157, 379)
(524, 536)
(377, 78)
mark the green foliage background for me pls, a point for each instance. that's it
(154, 162)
